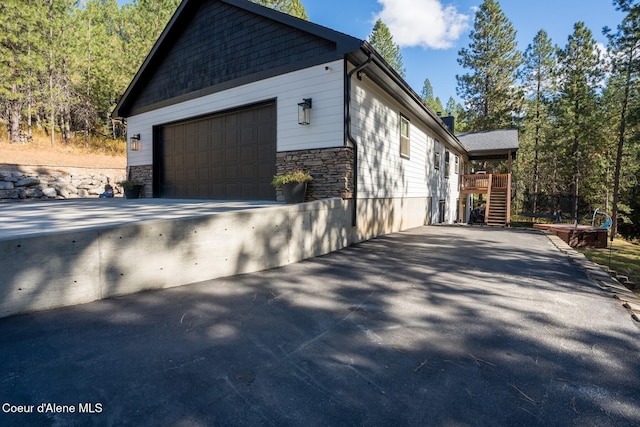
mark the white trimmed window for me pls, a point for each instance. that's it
(447, 165)
(405, 127)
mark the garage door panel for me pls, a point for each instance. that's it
(248, 136)
(217, 174)
(264, 190)
(203, 174)
(265, 172)
(230, 155)
(232, 172)
(249, 153)
(249, 191)
(248, 172)
(216, 138)
(217, 155)
(234, 188)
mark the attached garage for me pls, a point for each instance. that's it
(228, 155)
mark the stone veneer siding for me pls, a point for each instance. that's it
(143, 173)
(331, 168)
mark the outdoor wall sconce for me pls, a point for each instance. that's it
(304, 112)
(135, 142)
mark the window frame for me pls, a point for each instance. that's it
(405, 140)
(447, 163)
(436, 160)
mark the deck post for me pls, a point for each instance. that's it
(487, 208)
(509, 200)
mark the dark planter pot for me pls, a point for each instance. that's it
(133, 193)
(294, 192)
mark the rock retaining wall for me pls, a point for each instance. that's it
(49, 182)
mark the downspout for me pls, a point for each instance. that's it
(350, 138)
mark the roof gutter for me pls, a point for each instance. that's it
(393, 76)
(350, 138)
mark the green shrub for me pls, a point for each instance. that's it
(297, 175)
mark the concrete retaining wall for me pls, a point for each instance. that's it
(65, 269)
(383, 216)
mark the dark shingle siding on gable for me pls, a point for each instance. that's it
(221, 43)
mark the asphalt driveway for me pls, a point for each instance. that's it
(436, 326)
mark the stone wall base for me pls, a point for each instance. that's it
(143, 173)
(331, 168)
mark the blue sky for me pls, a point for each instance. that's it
(431, 32)
(431, 46)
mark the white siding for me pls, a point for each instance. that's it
(383, 173)
(324, 86)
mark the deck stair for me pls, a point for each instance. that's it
(497, 187)
(497, 212)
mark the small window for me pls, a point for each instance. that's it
(447, 156)
(457, 167)
(436, 160)
(404, 136)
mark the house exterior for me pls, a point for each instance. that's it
(214, 114)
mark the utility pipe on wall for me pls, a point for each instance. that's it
(350, 138)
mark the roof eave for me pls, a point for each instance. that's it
(344, 42)
(389, 80)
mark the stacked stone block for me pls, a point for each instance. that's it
(331, 168)
(144, 174)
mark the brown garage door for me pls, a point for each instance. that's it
(229, 155)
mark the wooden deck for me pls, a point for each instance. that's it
(497, 187)
(578, 236)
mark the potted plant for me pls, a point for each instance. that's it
(293, 185)
(131, 187)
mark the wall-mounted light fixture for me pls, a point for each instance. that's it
(304, 112)
(134, 144)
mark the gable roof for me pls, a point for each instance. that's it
(199, 30)
(202, 36)
(495, 144)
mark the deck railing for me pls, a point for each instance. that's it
(479, 183)
(500, 181)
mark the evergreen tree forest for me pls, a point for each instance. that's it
(64, 64)
(576, 106)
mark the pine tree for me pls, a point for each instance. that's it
(141, 23)
(291, 7)
(20, 63)
(456, 110)
(578, 113)
(58, 38)
(624, 45)
(101, 80)
(382, 40)
(489, 90)
(429, 100)
(538, 83)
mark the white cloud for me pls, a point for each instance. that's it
(425, 23)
